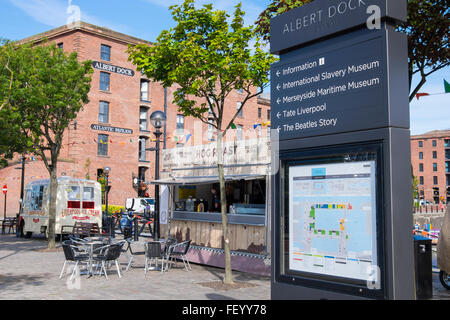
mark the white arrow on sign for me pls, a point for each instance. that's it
(278, 87)
(279, 129)
(278, 73)
(278, 115)
(278, 101)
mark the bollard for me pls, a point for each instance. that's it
(135, 226)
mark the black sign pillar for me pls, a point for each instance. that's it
(342, 215)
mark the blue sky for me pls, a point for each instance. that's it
(147, 18)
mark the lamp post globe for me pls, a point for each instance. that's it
(158, 119)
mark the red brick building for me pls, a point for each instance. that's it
(430, 158)
(113, 129)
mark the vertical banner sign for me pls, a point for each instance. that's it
(339, 101)
(5, 191)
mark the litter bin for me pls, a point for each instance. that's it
(423, 267)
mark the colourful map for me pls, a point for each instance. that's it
(332, 219)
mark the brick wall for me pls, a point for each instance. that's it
(79, 157)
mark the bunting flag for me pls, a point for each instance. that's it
(188, 137)
(233, 126)
(446, 86)
(421, 95)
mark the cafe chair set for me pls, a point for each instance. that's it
(92, 251)
(165, 251)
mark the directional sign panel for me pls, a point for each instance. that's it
(338, 90)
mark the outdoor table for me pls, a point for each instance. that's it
(90, 245)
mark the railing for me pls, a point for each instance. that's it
(433, 208)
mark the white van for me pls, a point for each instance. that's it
(76, 200)
(138, 205)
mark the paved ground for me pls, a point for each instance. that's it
(27, 273)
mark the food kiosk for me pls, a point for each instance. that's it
(190, 202)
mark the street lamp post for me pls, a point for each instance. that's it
(157, 119)
(106, 171)
(19, 230)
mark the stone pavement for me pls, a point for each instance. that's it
(26, 273)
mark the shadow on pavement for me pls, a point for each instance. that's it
(13, 282)
(215, 296)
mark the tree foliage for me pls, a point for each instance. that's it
(427, 28)
(48, 89)
(205, 57)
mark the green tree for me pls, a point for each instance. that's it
(207, 58)
(48, 90)
(427, 28)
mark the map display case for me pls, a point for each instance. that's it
(331, 218)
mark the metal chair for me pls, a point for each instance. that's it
(72, 255)
(152, 253)
(109, 253)
(166, 252)
(179, 250)
(134, 252)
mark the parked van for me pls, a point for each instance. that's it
(139, 205)
(76, 200)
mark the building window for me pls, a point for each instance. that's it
(238, 106)
(421, 180)
(435, 167)
(434, 154)
(435, 180)
(105, 79)
(102, 149)
(141, 179)
(421, 167)
(420, 155)
(60, 45)
(420, 144)
(259, 113)
(103, 113)
(105, 52)
(180, 145)
(143, 116)
(142, 151)
(144, 90)
(434, 143)
(180, 122)
(268, 115)
(239, 132)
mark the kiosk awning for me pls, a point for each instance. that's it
(205, 179)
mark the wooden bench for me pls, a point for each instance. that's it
(82, 229)
(10, 222)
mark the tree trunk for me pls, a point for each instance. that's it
(52, 207)
(223, 206)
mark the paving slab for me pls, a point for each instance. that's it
(26, 272)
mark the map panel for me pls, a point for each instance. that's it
(332, 219)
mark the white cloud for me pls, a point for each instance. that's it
(48, 12)
(54, 13)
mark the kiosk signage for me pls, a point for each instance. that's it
(342, 197)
